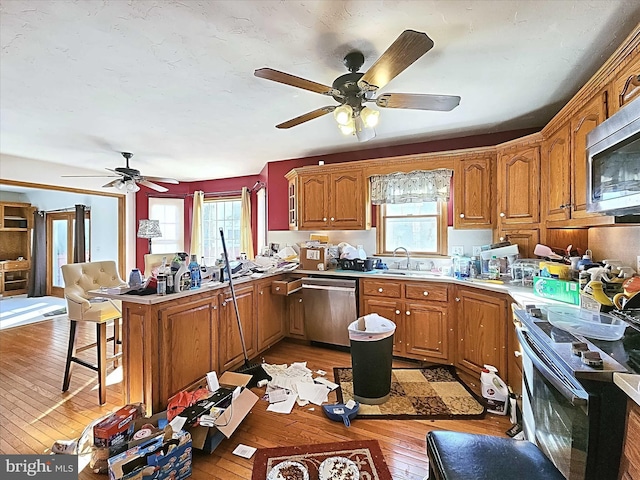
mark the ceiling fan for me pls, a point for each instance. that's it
(129, 178)
(354, 89)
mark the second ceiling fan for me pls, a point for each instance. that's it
(354, 89)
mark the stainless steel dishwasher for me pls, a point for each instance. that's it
(330, 305)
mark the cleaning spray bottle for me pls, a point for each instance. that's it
(494, 390)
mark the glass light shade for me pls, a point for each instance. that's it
(370, 116)
(120, 185)
(343, 114)
(349, 128)
(132, 186)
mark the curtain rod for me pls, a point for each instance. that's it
(68, 209)
(258, 184)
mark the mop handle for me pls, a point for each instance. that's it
(233, 295)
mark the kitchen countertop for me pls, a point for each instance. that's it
(630, 384)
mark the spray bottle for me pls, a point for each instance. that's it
(494, 390)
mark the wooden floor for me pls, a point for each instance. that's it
(34, 412)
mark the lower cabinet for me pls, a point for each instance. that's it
(295, 316)
(514, 357)
(630, 461)
(482, 330)
(421, 315)
(270, 315)
(231, 354)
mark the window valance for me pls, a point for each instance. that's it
(413, 187)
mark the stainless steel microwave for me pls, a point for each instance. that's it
(613, 169)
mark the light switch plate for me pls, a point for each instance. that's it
(476, 250)
(457, 250)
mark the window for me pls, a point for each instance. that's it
(170, 213)
(419, 227)
(221, 213)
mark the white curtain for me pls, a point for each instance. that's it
(246, 239)
(413, 187)
(196, 224)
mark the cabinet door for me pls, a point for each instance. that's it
(590, 115)
(270, 316)
(519, 186)
(626, 86)
(292, 204)
(230, 345)
(313, 206)
(346, 200)
(514, 358)
(481, 320)
(472, 191)
(392, 311)
(556, 178)
(526, 239)
(426, 331)
(295, 307)
(185, 359)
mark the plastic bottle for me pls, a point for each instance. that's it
(494, 390)
(182, 280)
(473, 268)
(161, 287)
(194, 270)
(494, 269)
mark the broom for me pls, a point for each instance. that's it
(255, 370)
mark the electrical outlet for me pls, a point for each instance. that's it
(476, 250)
(457, 250)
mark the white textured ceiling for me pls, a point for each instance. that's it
(172, 81)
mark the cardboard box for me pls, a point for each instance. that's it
(118, 427)
(208, 438)
(155, 459)
(314, 258)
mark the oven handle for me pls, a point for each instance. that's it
(576, 397)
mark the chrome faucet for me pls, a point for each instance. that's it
(407, 253)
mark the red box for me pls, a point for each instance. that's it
(118, 427)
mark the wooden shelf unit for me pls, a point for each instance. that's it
(16, 223)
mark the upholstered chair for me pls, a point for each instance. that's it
(79, 279)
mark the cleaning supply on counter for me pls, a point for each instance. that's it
(494, 268)
(494, 390)
(194, 272)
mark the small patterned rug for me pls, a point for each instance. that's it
(430, 392)
(366, 454)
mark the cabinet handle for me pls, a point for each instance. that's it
(502, 239)
(299, 300)
(224, 304)
(332, 219)
(517, 354)
(397, 312)
(262, 292)
(324, 219)
(425, 293)
(457, 299)
(277, 289)
(407, 313)
(215, 307)
(502, 214)
(462, 215)
(380, 290)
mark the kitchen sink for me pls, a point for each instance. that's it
(409, 273)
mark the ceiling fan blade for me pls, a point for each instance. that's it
(306, 117)
(406, 49)
(90, 176)
(115, 171)
(443, 103)
(153, 186)
(113, 183)
(281, 77)
(161, 179)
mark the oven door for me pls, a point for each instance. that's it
(555, 410)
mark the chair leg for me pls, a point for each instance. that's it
(116, 341)
(71, 352)
(101, 330)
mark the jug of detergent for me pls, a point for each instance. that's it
(494, 390)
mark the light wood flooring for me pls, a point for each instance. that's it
(34, 412)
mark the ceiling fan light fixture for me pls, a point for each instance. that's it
(349, 128)
(120, 185)
(132, 186)
(369, 116)
(343, 114)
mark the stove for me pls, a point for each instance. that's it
(620, 356)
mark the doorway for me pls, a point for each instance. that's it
(60, 245)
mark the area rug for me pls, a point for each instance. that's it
(366, 454)
(430, 392)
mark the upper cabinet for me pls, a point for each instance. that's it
(336, 200)
(625, 86)
(473, 192)
(556, 179)
(518, 191)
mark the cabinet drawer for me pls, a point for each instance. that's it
(381, 289)
(15, 265)
(286, 286)
(426, 291)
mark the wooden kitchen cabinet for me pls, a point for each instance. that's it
(295, 309)
(525, 238)
(556, 175)
(335, 200)
(198, 352)
(625, 86)
(420, 312)
(16, 223)
(473, 192)
(514, 355)
(481, 318)
(630, 461)
(518, 189)
(270, 315)
(231, 354)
